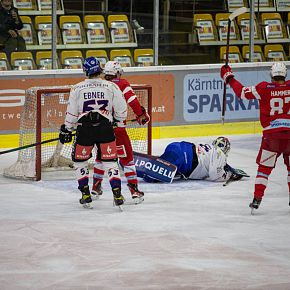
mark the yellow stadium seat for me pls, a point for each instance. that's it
(47, 5)
(71, 59)
(258, 53)
(22, 60)
(25, 5)
(43, 25)
(233, 5)
(221, 21)
(4, 64)
(27, 32)
(123, 56)
(44, 60)
(120, 29)
(96, 29)
(244, 25)
(234, 54)
(100, 54)
(72, 29)
(205, 27)
(273, 26)
(144, 57)
(274, 52)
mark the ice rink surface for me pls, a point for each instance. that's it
(185, 235)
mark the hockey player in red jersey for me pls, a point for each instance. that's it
(113, 72)
(274, 100)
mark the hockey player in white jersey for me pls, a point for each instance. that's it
(200, 162)
(93, 104)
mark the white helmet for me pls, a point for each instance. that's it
(223, 144)
(112, 68)
(278, 69)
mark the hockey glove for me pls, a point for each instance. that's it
(144, 118)
(226, 73)
(65, 136)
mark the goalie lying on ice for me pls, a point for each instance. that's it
(185, 160)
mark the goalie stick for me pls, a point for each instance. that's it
(232, 16)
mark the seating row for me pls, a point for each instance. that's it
(270, 28)
(73, 59)
(71, 30)
(269, 5)
(271, 52)
(40, 5)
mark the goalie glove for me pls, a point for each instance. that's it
(144, 118)
(65, 136)
(226, 73)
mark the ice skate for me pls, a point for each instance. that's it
(255, 204)
(97, 190)
(137, 195)
(118, 198)
(86, 197)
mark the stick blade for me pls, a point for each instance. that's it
(238, 12)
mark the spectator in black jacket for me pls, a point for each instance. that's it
(10, 23)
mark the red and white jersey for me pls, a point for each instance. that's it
(129, 95)
(211, 163)
(274, 100)
(95, 95)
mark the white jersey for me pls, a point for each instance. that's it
(95, 95)
(211, 163)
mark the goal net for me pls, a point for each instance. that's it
(44, 112)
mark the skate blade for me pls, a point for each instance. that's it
(95, 196)
(138, 200)
(87, 206)
(253, 210)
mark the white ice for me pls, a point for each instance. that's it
(185, 235)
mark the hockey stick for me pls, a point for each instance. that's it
(232, 16)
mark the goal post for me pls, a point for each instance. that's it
(44, 112)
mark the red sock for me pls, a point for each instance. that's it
(261, 180)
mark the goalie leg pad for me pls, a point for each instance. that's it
(152, 168)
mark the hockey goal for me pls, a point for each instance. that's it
(44, 112)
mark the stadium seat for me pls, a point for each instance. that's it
(44, 60)
(96, 29)
(120, 29)
(43, 25)
(205, 27)
(234, 54)
(72, 29)
(4, 63)
(273, 26)
(233, 5)
(144, 57)
(71, 59)
(25, 5)
(258, 53)
(27, 32)
(221, 21)
(47, 4)
(123, 56)
(244, 25)
(22, 60)
(100, 54)
(274, 52)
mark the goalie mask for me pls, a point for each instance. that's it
(278, 69)
(113, 68)
(223, 144)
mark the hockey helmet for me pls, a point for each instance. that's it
(92, 66)
(223, 144)
(278, 69)
(113, 68)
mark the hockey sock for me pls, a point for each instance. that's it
(288, 180)
(261, 180)
(82, 173)
(130, 172)
(98, 171)
(113, 173)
